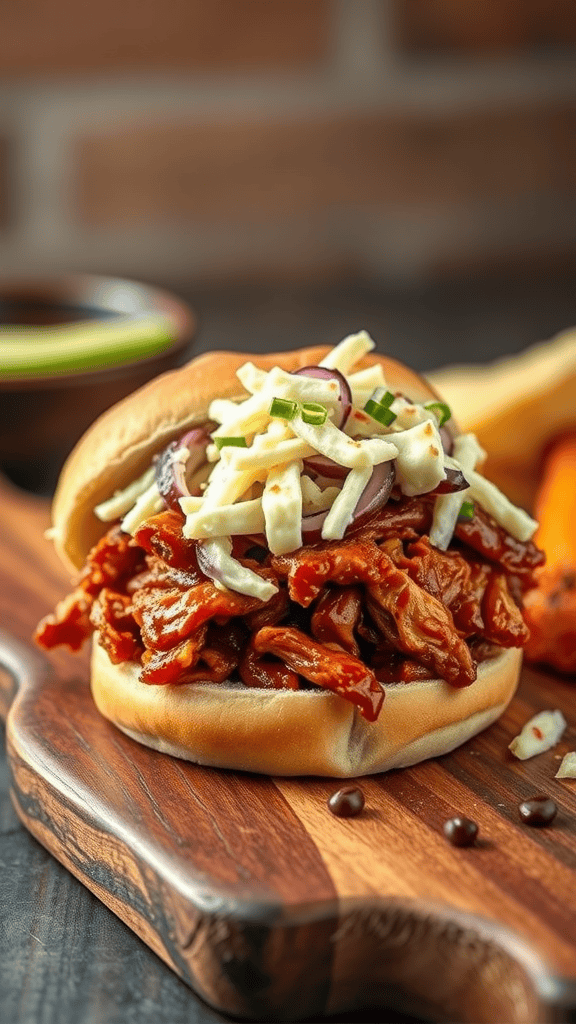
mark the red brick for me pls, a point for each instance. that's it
(253, 171)
(484, 25)
(71, 36)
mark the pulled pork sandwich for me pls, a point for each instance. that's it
(290, 564)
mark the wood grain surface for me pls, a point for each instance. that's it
(259, 898)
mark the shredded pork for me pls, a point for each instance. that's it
(380, 606)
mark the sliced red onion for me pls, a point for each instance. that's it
(326, 467)
(215, 561)
(206, 562)
(447, 440)
(373, 497)
(377, 490)
(312, 526)
(345, 399)
(172, 476)
(455, 481)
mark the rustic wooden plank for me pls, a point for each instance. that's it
(113, 813)
(518, 876)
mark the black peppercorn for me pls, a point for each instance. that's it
(538, 811)
(460, 831)
(347, 802)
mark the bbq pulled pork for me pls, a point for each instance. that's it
(380, 606)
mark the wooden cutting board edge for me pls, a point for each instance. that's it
(340, 952)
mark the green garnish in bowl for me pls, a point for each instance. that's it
(88, 345)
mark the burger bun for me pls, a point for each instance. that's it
(303, 732)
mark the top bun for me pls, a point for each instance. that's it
(120, 444)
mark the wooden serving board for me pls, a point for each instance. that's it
(252, 891)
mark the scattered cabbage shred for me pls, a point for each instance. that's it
(542, 732)
(261, 488)
(567, 768)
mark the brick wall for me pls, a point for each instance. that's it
(485, 26)
(69, 37)
(189, 140)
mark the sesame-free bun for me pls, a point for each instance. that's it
(120, 444)
(302, 732)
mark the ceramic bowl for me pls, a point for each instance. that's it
(70, 347)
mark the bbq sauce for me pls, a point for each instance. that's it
(347, 802)
(538, 811)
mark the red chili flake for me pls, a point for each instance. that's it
(537, 732)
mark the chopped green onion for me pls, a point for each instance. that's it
(230, 442)
(313, 412)
(382, 397)
(442, 411)
(467, 510)
(379, 411)
(283, 408)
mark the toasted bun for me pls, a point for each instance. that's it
(119, 445)
(306, 732)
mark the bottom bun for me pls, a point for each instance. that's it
(305, 732)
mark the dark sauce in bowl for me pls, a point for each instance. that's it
(25, 313)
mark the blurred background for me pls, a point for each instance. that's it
(293, 171)
(297, 170)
